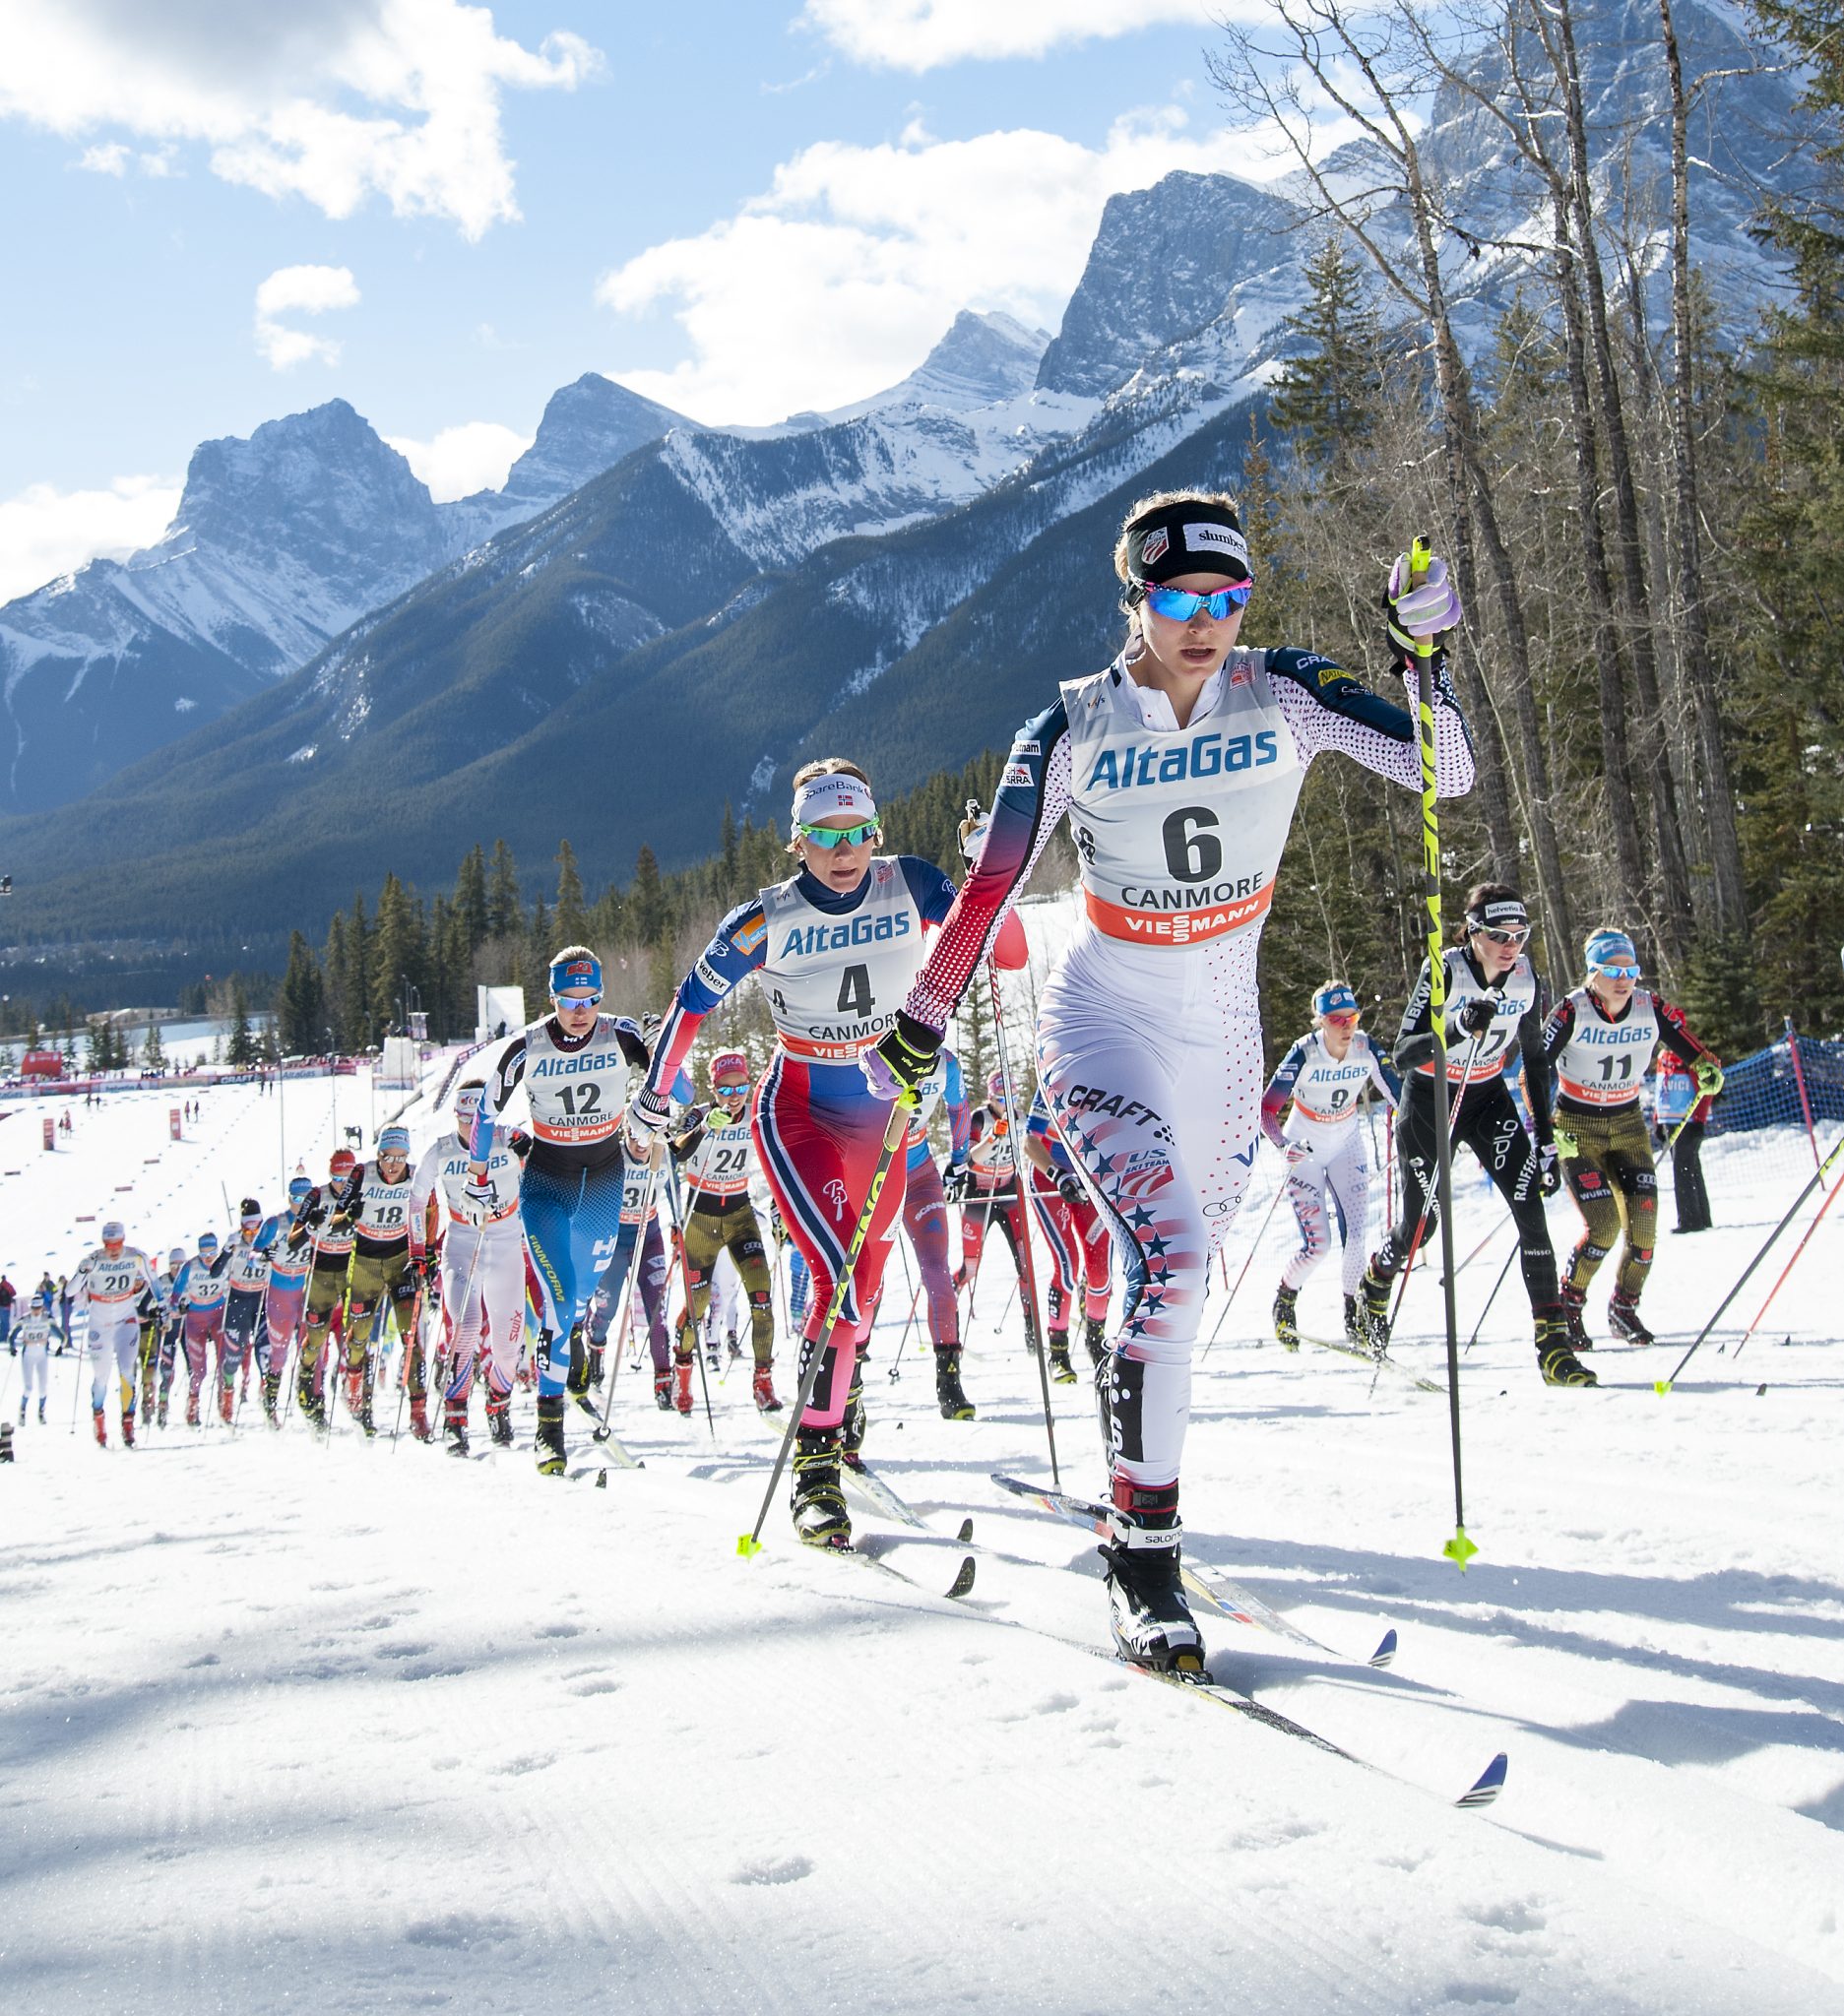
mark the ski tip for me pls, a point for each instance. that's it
(747, 1545)
(1387, 1647)
(1460, 1550)
(966, 1525)
(963, 1582)
(602, 1480)
(1661, 1385)
(1760, 1389)
(1488, 1784)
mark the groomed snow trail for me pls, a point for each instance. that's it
(350, 1727)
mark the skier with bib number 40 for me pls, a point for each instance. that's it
(1178, 765)
(1322, 1078)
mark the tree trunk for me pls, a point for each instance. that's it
(1699, 674)
(1673, 911)
(1630, 860)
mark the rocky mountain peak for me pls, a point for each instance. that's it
(1162, 268)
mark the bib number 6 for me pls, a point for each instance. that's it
(1192, 854)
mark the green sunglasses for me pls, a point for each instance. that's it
(841, 836)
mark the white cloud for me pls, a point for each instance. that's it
(300, 291)
(922, 34)
(835, 283)
(474, 455)
(332, 100)
(112, 158)
(45, 531)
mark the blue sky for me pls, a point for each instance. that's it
(222, 211)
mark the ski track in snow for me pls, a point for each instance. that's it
(288, 1726)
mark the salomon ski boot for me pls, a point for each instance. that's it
(851, 1428)
(732, 1348)
(1287, 1317)
(1152, 1622)
(1095, 1336)
(681, 1383)
(226, 1399)
(102, 1427)
(817, 1503)
(551, 1456)
(1063, 1372)
(1558, 1365)
(128, 1431)
(192, 1410)
(1373, 1312)
(455, 1427)
(419, 1417)
(662, 1389)
(272, 1390)
(1623, 1319)
(499, 1419)
(1574, 1307)
(1354, 1332)
(762, 1391)
(595, 1367)
(949, 1396)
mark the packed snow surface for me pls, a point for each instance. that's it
(287, 1725)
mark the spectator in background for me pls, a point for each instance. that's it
(1679, 1102)
(9, 1294)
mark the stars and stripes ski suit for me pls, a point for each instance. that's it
(1327, 1151)
(1072, 1227)
(1149, 1030)
(834, 969)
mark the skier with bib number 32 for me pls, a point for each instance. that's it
(1178, 765)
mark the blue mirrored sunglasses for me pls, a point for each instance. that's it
(1180, 605)
(578, 1000)
(841, 836)
(1616, 969)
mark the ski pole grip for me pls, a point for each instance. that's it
(1420, 553)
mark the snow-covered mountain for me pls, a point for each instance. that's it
(280, 542)
(587, 427)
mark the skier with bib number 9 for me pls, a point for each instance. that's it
(837, 948)
(1178, 765)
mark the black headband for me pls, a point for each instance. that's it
(1193, 538)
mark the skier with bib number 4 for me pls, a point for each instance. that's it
(1178, 765)
(836, 947)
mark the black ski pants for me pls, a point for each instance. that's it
(1487, 1123)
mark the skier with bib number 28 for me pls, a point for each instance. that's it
(1178, 765)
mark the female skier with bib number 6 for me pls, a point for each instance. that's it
(1178, 765)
